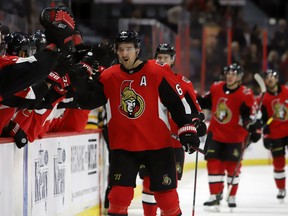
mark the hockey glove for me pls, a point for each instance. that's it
(189, 138)
(87, 67)
(59, 26)
(77, 38)
(55, 80)
(255, 131)
(64, 64)
(197, 121)
(13, 129)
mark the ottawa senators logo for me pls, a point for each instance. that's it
(178, 167)
(236, 153)
(280, 111)
(132, 104)
(166, 180)
(223, 114)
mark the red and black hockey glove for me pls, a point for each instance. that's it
(64, 64)
(255, 131)
(189, 138)
(56, 80)
(59, 26)
(13, 130)
(87, 67)
(198, 122)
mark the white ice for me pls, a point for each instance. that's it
(256, 195)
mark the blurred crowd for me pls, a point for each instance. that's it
(246, 45)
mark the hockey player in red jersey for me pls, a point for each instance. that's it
(19, 46)
(137, 93)
(18, 73)
(231, 106)
(166, 54)
(275, 108)
(49, 115)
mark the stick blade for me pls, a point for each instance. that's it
(260, 82)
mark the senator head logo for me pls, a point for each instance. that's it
(132, 104)
(222, 114)
(280, 111)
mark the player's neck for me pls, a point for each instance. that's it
(273, 89)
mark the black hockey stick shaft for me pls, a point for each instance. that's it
(230, 184)
(195, 184)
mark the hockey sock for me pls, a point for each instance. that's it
(215, 175)
(279, 171)
(231, 166)
(148, 200)
(119, 199)
(168, 202)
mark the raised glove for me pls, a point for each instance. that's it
(77, 38)
(189, 138)
(59, 26)
(64, 64)
(255, 131)
(104, 54)
(13, 129)
(87, 67)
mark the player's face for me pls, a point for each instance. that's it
(270, 80)
(127, 53)
(231, 77)
(165, 58)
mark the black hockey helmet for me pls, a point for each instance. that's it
(39, 40)
(271, 72)
(165, 49)
(127, 36)
(18, 44)
(236, 68)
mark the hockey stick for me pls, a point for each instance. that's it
(195, 184)
(230, 185)
(202, 151)
(263, 89)
(262, 86)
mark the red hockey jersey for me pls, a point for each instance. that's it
(276, 106)
(226, 122)
(137, 117)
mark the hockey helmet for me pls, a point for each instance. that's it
(236, 68)
(18, 44)
(165, 49)
(39, 40)
(271, 72)
(127, 36)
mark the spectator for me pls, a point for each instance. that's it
(279, 41)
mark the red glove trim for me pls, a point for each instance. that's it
(14, 130)
(187, 128)
(88, 67)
